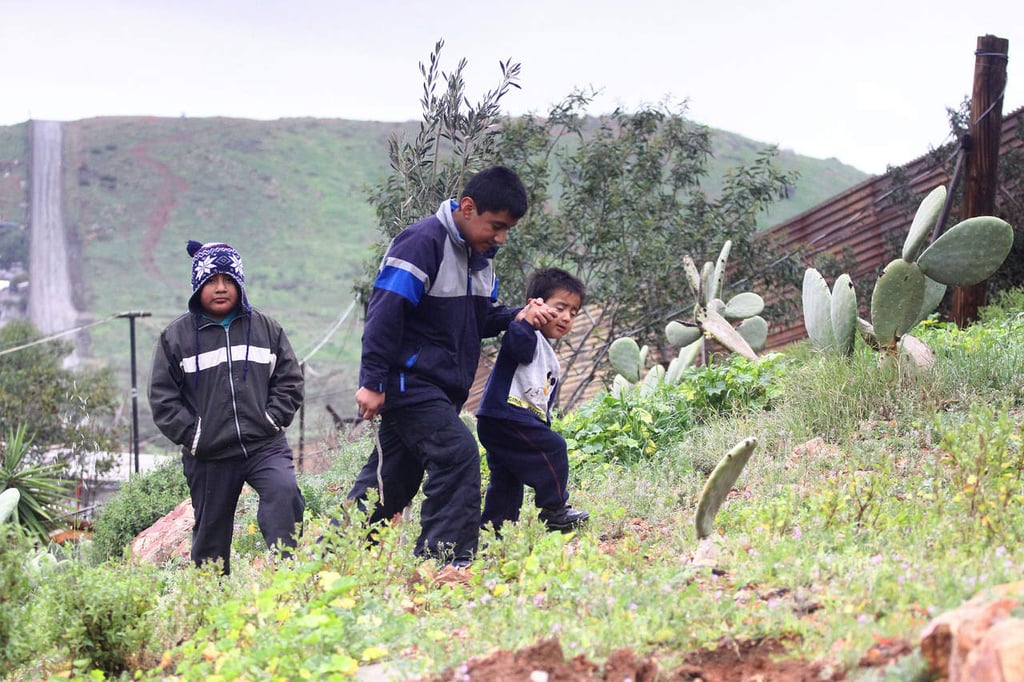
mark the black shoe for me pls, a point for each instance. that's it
(563, 518)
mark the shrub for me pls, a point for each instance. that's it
(643, 420)
(14, 590)
(136, 506)
(103, 616)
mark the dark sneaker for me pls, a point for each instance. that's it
(563, 518)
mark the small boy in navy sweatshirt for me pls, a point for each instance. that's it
(514, 418)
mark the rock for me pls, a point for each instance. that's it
(981, 641)
(168, 538)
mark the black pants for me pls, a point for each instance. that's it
(521, 454)
(428, 439)
(215, 485)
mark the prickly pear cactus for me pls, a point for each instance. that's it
(719, 328)
(843, 314)
(924, 222)
(910, 287)
(754, 331)
(682, 334)
(713, 318)
(719, 483)
(687, 356)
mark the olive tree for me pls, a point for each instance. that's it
(616, 199)
(73, 410)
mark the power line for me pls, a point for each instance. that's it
(330, 332)
(58, 335)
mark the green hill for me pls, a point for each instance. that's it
(291, 195)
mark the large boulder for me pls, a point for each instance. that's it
(981, 641)
(169, 538)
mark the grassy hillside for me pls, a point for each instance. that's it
(291, 195)
(820, 179)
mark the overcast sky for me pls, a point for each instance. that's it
(868, 83)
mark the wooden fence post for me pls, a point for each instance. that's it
(986, 127)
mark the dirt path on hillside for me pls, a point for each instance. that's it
(50, 305)
(169, 187)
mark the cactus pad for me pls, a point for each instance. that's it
(692, 276)
(896, 301)
(924, 220)
(719, 483)
(817, 301)
(718, 276)
(754, 331)
(934, 292)
(624, 356)
(707, 274)
(723, 332)
(843, 314)
(682, 334)
(742, 306)
(969, 252)
(654, 376)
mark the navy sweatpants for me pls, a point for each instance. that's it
(214, 486)
(428, 439)
(521, 454)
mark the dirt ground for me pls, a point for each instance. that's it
(760, 661)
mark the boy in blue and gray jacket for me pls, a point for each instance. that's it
(433, 301)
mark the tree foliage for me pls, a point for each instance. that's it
(615, 199)
(57, 406)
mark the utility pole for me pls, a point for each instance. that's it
(302, 419)
(985, 129)
(131, 315)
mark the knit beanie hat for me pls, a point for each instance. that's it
(211, 259)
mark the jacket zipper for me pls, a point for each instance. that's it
(231, 382)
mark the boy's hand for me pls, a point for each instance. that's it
(369, 402)
(536, 312)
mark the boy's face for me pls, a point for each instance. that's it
(219, 296)
(567, 306)
(483, 231)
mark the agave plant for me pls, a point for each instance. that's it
(41, 490)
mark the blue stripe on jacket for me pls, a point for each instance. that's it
(401, 282)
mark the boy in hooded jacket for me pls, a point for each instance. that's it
(224, 386)
(434, 299)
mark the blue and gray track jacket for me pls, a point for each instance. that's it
(222, 390)
(432, 303)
